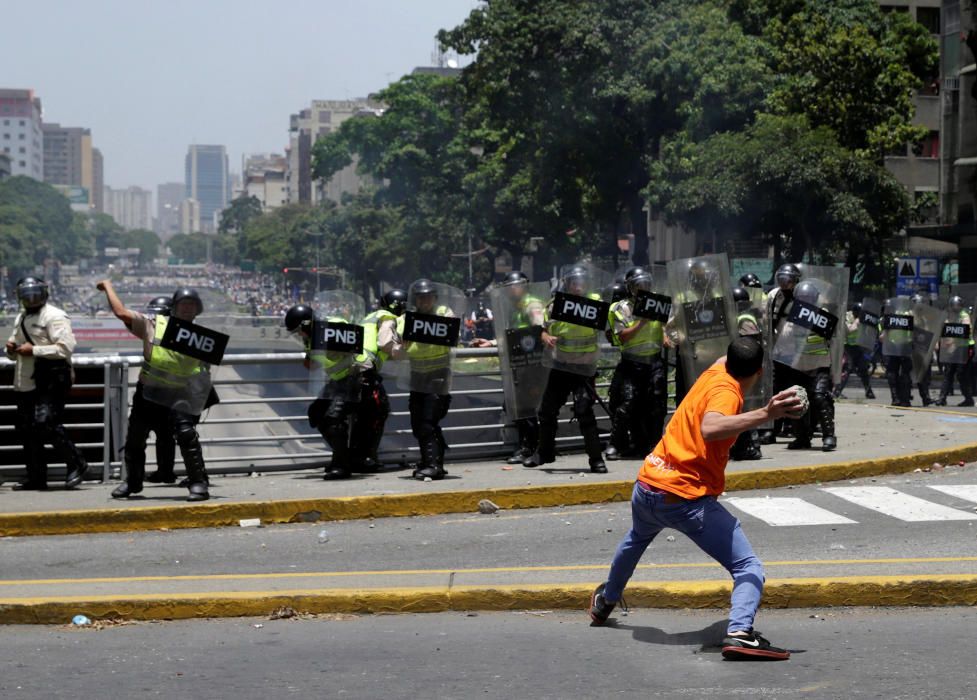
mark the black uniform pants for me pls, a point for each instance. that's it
(899, 374)
(855, 362)
(960, 372)
(146, 417)
(637, 402)
(39, 422)
(559, 386)
(371, 418)
(426, 413)
(331, 414)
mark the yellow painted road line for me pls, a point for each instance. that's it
(481, 570)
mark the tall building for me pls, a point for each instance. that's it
(208, 182)
(132, 208)
(98, 181)
(68, 158)
(189, 216)
(321, 118)
(168, 198)
(264, 178)
(4, 165)
(21, 137)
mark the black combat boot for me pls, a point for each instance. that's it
(336, 435)
(431, 465)
(544, 453)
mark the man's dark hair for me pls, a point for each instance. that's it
(744, 357)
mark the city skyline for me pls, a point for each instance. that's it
(161, 95)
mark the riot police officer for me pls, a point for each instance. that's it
(956, 355)
(165, 444)
(897, 347)
(41, 345)
(517, 307)
(575, 350)
(381, 342)
(430, 385)
(161, 396)
(638, 391)
(747, 445)
(330, 413)
(926, 376)
(778, 305)
(854, 353)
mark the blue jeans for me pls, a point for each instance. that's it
(712, 528)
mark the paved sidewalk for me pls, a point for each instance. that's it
(873, 439)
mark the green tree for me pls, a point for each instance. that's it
(190, 248)
(237, 215)
(147, 242)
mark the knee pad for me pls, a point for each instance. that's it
(583, 405)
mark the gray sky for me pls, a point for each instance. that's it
(150, 78)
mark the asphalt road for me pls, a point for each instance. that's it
(836, 655)
(566, 545)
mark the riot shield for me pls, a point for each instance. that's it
(955, 337)
(650, 299)
(184, 366)
(703, 315)
(337, 337)
(750, 313)
(897, 327)
(432, 330)
(868, 323)
(836, 303)
(518, 315)
(927, 326)
(576, 317)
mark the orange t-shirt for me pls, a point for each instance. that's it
(682, 462)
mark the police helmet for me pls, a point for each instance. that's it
(160, 306)
(918, 298)
(638, 278)
(740, 295)
(856, 308)
(299, 317)
(617, 291)
(701, 275)
(787, 276)
(955, 303)
(423, 286)
(577, 273)
(184, 293)
(394, 301)
(750, 280)
(32, 292)
(515, 277)
(807, 292)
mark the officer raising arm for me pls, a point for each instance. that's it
(165, 374)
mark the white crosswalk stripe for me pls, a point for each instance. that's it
(896, 504)
(787, 512)
(967, 492)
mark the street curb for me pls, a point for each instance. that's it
(72, 522)
(932, 590)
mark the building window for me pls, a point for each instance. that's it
(6, 137)
(22, 164)
(929, 17)
(22, 150)
(929, 147)
(325, 117)
(22, 136)
(23, 123)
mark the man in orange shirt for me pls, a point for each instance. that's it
(680, 480)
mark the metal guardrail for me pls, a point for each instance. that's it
(277, 437)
